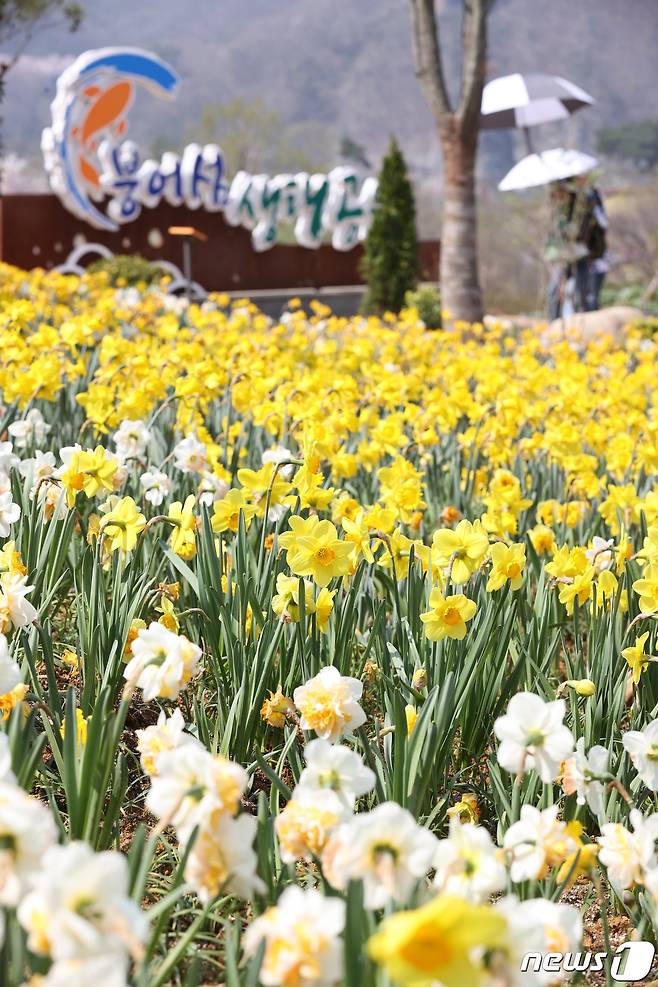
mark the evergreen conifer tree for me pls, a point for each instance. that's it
(390, 261)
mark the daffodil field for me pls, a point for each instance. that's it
(328, 646)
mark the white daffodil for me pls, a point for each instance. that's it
(534, 926)
(110, 969)
(532, 735)
(305, 825)
(6, 774)
(79, 906)
(536, 842)
(329, 704)
(15, 609)
(212, 488)
(629, 854)
(31, 430)
(191, 784)
(131, 439)
(190, 455)
(10, 673)
(599, 554)
(468, 864)
(8, 458)
(9, 514)
(642, 748)
(156, 486)
(385, 848)
(335, 767)
(302, 940)
(40, 468)
(27, 830)
(582, 773)
(165, 735)
(280, 454)
(222, 858)
(163, 663)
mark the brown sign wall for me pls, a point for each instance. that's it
(37, 231)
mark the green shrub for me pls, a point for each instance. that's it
(127, 269)
(632, 293)
(390, 261)
(427, 301)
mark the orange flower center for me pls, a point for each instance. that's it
(451, 616)
(325, 555)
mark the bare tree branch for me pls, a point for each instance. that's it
(475, 43)
(6, 66)
(427, 57)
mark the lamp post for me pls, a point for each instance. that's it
(188, 234)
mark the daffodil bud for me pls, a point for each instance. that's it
(584, 687)
(411, 717)
(419, 680)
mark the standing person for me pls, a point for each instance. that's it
(592, 269)
(563, 250)
(577, 247)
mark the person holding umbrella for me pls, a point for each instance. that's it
(576, 250)
(562, 249)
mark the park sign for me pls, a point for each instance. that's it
(102, 177)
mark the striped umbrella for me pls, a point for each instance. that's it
(526, 100)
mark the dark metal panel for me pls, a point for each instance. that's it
(37, 231)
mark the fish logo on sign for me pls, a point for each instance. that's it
(94, 96)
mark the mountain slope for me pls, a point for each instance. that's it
(345, 63)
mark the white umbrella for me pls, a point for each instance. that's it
(548, 166)
(526, 100)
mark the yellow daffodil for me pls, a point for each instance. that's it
(322, 555)
(447, 616)
(227, 511)
(410, 716)
(14, 698)
(636, 658)
(466, 809)
(647, 589)
(581, 862)
(91, 471)
(122, 525)
(579, 588)
(460, 551)
(184, 523)
(80, 728)
(438, 942)
(276, 709)
(507, 563)
(324, 607)
(542, 539)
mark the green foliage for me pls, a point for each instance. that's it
(632, 293)
(256, 138)
(390, 261)
(127, 269)
(427, 300)
(632, 140)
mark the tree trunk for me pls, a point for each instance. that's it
(460, 285)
